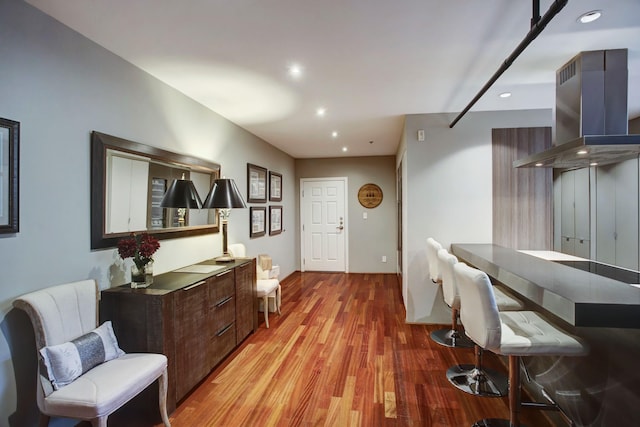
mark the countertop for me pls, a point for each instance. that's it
(576, 296)
(174, 280)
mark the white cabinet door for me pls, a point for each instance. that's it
(617, 214)
(581, 203)
(574, 213)
(626, 176)
(567, 216)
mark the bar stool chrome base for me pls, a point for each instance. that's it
(494, 422)
(451, 338)
(478, 382)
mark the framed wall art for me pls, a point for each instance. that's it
(370, 195)
(9, 174)
(275, 220)
(275, 186)
(257, 221)
(256, 184)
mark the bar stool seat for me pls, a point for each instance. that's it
(514, 334)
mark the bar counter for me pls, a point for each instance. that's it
(601, 389)
(578, 297)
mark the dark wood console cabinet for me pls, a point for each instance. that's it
(195, 319)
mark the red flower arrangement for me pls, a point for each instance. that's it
(140, 247)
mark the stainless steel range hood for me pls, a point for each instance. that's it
(591, 125)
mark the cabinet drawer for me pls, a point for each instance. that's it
(222, 314)
(222, 343)
(221, 287)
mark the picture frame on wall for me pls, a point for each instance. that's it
(275, 220)
(9, 175)
(257, 221)
(256, 184)
(275, 186)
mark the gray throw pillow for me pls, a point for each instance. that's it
(67, 361)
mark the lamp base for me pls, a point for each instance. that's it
(225, 258)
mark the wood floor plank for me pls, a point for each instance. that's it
(340, 354)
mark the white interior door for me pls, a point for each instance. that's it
(324, 227)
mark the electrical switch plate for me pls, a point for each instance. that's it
(384, 258)
(364, 215)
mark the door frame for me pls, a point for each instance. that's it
(345, 181)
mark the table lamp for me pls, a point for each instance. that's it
(224, 195)
(181, 194)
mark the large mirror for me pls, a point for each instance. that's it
(128, 180)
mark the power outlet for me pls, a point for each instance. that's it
(384, 258)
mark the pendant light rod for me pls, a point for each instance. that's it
(535, 13)
(534, 32)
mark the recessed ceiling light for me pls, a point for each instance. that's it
(344, 149)
(593, 164)
(591, 16)
(321, 111)
(505, 94)
(334, 134)
(295, 71)
(538, 164)
(582, 152)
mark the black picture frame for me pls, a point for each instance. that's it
(275, 186)
(9, 176)
(256, 184)
(275, 220)
(257, 221)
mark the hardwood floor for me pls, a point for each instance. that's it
(340, 355)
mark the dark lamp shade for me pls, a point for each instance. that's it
(181, 194)
(224, 194)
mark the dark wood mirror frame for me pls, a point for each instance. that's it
(11, 176)
(100, 143)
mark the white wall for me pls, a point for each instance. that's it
(371, 238)
(449, 194)
(60, 86)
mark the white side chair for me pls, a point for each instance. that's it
(511, 333)
(267, 285)
(267, 271)
(82, 373)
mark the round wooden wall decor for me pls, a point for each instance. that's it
(370, 195)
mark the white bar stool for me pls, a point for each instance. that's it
(433, 246)
(476, 379)
(450, 337)
(513, 334)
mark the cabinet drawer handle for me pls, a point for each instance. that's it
(223, 273)
(224, 301)
(195, 285)
(221, 333)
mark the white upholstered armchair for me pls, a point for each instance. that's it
(83, 374)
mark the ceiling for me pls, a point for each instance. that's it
(367, 62)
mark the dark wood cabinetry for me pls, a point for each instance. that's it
(196, 320)
(222, 314)
(246, 321)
